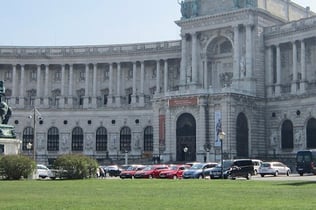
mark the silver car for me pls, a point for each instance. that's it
(273, 168)
(43, 172)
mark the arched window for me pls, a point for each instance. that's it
(53, 139)
(125, 139)
(287, 135)
(28, 137)
(101, 139)
(148, 139)
(311, 133)
(77, 139)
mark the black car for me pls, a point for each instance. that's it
(241, 168)
(217, 172)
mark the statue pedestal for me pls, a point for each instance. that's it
(9, 146)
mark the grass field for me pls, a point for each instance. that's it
(157, 194)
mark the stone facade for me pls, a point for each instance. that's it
(245, 64)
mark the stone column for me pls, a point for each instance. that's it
(294, 72)
(22, 88)
(14, 88)
(142, 74)
(70, 91)
(62, 88)
(38, 86)
(278, 67)
(46, 96)
(86, 87)
(183, 61)
(269, 70)
(249, 51)
(118, 87)
(94, 87)
(194, 59)
(236, 52)
(165, 72)
(303, 68)
(158, 77)
(205, 77)
(134, 84)
(110, 98)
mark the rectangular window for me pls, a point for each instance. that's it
(33, 75)
(8, 76)
(58, 75)
(106, 75)
(82, 76)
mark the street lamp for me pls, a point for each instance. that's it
(29, 147)
(221, 138)
(35, 115)
(185, 150)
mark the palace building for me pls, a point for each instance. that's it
(243, 67)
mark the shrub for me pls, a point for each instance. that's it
(14, 167)
(76, 166)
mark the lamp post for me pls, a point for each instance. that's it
(35, 115)
(185, 150)
(29, 147)
(221, 137)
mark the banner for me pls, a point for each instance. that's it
(218, 127)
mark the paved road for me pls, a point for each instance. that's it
(295, 177)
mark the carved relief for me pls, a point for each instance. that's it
(298, 138)
(64, 143)
(274, 139)
(89, 142)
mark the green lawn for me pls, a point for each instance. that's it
(157, 194)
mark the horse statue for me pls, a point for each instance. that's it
(6, 131)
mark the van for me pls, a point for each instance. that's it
(306, 162)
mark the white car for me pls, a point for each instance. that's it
(256, 165)
(273, 168)
(43, 172)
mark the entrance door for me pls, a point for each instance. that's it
(186, 138)
(242, 136)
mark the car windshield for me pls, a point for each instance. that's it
(265, 165)
(196, 166)
(148, 168)
(173, 167)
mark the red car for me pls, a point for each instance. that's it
(130, 171)
(150, 172)
(174, 172)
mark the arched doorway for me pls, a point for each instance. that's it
(186, 138)
(311, 134)
(242, 145)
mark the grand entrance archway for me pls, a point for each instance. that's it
(242, 136)
(186, 138)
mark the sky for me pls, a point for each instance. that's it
(91, 22)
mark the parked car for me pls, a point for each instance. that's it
(130, 171)
(306, 162)
(240, 168)
(174, 172)
(150, 172)
(216, 172)
(198, 170)
(44, 172)
(112, 170)
(256, 165)
(273, 168)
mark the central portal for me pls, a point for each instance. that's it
(186, 138)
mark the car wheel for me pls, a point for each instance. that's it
(248, 176)
(301, 174)
(262, 175)
(288, 173)
(276, 173)
(255, 172)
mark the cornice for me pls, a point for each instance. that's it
(141, 49)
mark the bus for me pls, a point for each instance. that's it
(306, 162)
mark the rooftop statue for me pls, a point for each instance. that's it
(189, 8)
(6, 131)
